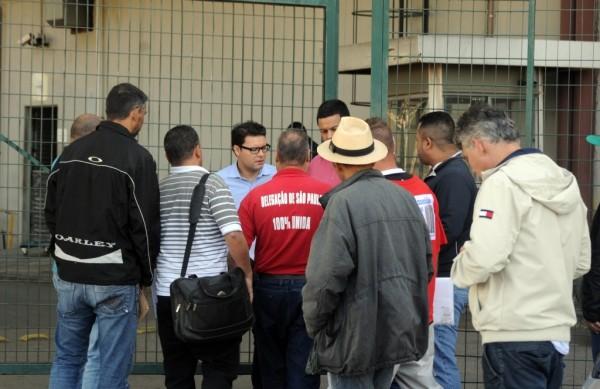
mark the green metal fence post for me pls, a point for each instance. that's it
(529, 102)
(379, 58)
(332, 45)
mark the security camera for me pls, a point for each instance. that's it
(26, 39)
(34, 40)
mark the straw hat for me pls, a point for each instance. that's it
(352, 144)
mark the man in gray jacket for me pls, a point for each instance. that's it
(365, 299)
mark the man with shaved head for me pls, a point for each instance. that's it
(414, 374)
(283, 215)
(83, 125)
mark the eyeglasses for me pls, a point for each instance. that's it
(255, 150)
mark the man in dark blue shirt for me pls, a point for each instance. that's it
(452, 182)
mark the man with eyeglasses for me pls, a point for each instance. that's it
(250, 147)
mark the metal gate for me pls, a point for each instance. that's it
(538, 61)
(209, 64)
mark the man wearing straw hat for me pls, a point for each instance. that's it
(365, 299)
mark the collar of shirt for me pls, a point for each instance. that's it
(432, 172)
(523, 151)
(116, 127)
(389, 172)
(291, 171)
(232, 171)
(187, 169)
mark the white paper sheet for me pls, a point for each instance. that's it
(443, 301)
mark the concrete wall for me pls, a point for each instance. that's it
(208, 64)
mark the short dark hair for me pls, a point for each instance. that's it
(297, 125)
(122, 99)
(83, 125)
(332, 107)
(482, 120)
(381, 131)
(240, 131)
(179, 144)
(439, 126)
(292, 147)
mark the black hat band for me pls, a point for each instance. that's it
(351, 153)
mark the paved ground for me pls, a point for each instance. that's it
(136, 382)
(27, 306)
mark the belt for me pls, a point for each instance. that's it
(266, 276)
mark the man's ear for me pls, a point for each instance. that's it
(236, 150)
(427, 143)
(198, 152)
(480, 145)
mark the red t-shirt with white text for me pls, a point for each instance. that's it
(428, 205)
(283, 215)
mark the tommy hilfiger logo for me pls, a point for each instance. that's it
(486, 213)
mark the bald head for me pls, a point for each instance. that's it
(292, 147)
(83, 125)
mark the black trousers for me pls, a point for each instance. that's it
(220, 360)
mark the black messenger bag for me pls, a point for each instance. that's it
(208, 308)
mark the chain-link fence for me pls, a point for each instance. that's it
(212, 64)
(536, 60)
(209, 64)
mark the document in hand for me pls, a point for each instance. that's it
(443, 301)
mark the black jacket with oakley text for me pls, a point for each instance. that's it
(102, 209)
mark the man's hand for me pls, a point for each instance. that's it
(238, 251)
(594, 326)
(143, 306)
(249, 286)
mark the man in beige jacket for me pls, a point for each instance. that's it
(529, 240)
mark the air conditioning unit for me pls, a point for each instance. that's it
(78, 15)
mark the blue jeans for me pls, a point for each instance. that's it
(91, 372)
(113, 308)
(531, 365)
(595, 346)
(282, 345)
(379, 379)
(445, 369)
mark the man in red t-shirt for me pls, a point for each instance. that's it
(283, 215)
(417, 374)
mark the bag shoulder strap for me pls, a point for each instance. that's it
(195, 208)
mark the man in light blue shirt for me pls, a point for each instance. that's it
(250, 147)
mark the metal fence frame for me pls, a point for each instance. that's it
(578, 362)
(330, 88)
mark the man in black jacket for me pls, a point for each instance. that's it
(102, 210)
(451, 181)
(591, 281)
